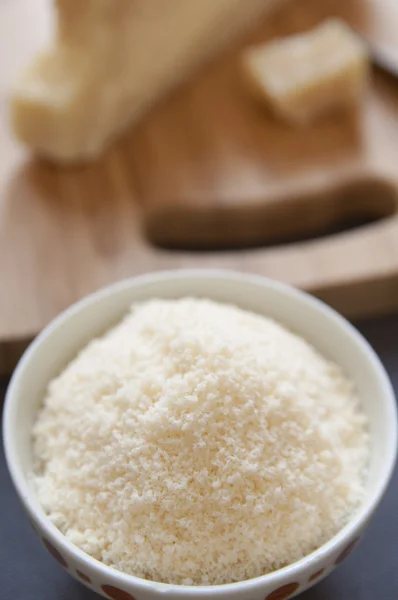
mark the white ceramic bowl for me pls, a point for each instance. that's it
(321, 326)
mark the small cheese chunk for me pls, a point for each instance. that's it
(111, 60)
(307, 75)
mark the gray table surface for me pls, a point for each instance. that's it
(27, 572)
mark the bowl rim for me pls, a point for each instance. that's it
(275, 578)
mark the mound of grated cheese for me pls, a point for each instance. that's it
(197, 443)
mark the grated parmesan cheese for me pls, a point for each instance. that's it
(197, 443)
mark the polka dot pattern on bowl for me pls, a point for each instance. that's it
(116, 594)
(346, 552)
(83, 576)
(316, 575)
(55, 553)
(284, 592)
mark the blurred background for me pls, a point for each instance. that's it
(135, 142)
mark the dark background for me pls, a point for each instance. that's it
(28, 572)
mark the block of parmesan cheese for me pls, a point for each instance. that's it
(304, 76)
(110, 60)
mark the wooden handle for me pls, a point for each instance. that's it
(273, 219)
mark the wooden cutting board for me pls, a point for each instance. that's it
(207, 168)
